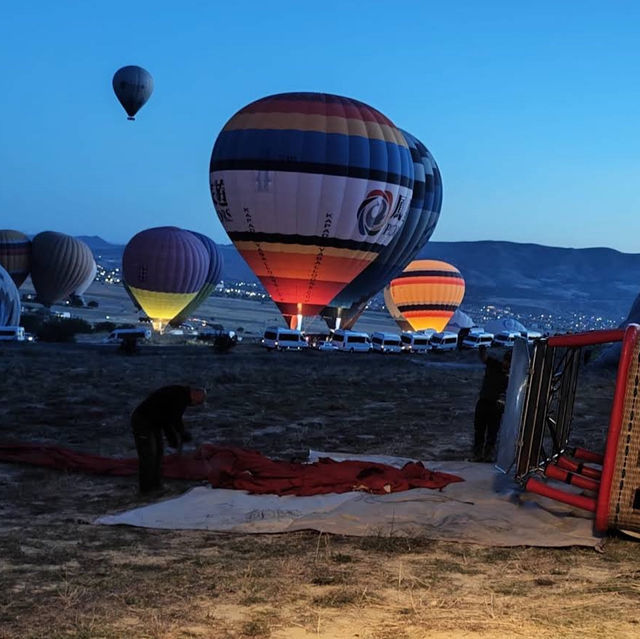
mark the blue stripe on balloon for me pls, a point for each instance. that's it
(312, 147)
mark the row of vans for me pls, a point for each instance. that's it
(278, 338)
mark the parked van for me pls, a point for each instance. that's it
(351, 341)
(445, 341)
(117, 335)
(386, 342)
(505, 338)
(531, 336)
(477, 339)
(416, 342)
(12, 333)
(283, 339)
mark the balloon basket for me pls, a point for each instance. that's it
(607, 483)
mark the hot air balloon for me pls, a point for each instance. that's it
(133, 86)
(427, 293)
(9, 300)
(59, 265)
(211, 279)
(420, 222)
(15, 255)
(164, 268)
(310, 188)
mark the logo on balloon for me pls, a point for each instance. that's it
(374, 211)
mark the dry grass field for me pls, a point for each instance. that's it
(62, 576)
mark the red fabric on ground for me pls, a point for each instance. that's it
(244, 470)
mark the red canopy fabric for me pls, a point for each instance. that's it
(243, 470)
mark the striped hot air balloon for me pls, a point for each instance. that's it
(427, 293)
(420, 222)
(164, 268)
(310, 188)
(15, 255)
(211, 279)
(59, 265)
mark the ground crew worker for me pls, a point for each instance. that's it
(490, 405)
(161, 412)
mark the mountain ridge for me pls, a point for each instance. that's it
(601, 280)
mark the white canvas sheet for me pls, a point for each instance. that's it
(487, 508)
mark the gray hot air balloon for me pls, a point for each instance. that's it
(60, 264)
(133, 86)
(9, 300)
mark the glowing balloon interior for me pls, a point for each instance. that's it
(427, 293)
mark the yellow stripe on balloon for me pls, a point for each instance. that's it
(320, 123)
(161, 306)
(306, 249)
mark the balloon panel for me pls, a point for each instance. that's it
(310, 188)
(211, 279)
(418, 227)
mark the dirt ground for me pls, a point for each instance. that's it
(62, 576)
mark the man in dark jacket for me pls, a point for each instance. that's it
(161, 412)
(490, 405)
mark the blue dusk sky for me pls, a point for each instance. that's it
(531, 109)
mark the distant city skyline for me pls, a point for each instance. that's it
(529, 110)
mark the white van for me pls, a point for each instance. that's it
(531, 336)
(477, 339)
(283, 339)
(11, 333)
(445, 341)
(386, 342)
(417, 342)
(351, 341)
(117, 335)
(505, 338)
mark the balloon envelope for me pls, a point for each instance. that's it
(59, 265)
(133, 86)
(210, 281)
(164, 268)
(419, 224)
(15, 254)
(9, 300)
(310, 188)
(427, 293)
(504, 324)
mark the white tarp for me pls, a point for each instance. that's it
(487, 508)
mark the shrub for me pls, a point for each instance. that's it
(104, 327)
(62, 330)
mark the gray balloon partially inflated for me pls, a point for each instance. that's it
(133, 86)
(59, 265)
(9, 300)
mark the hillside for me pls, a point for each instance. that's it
(527, 277)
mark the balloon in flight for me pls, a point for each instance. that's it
(15, 254)
(427, 293)
(59, 265)
(133, 86)
(310, 187)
